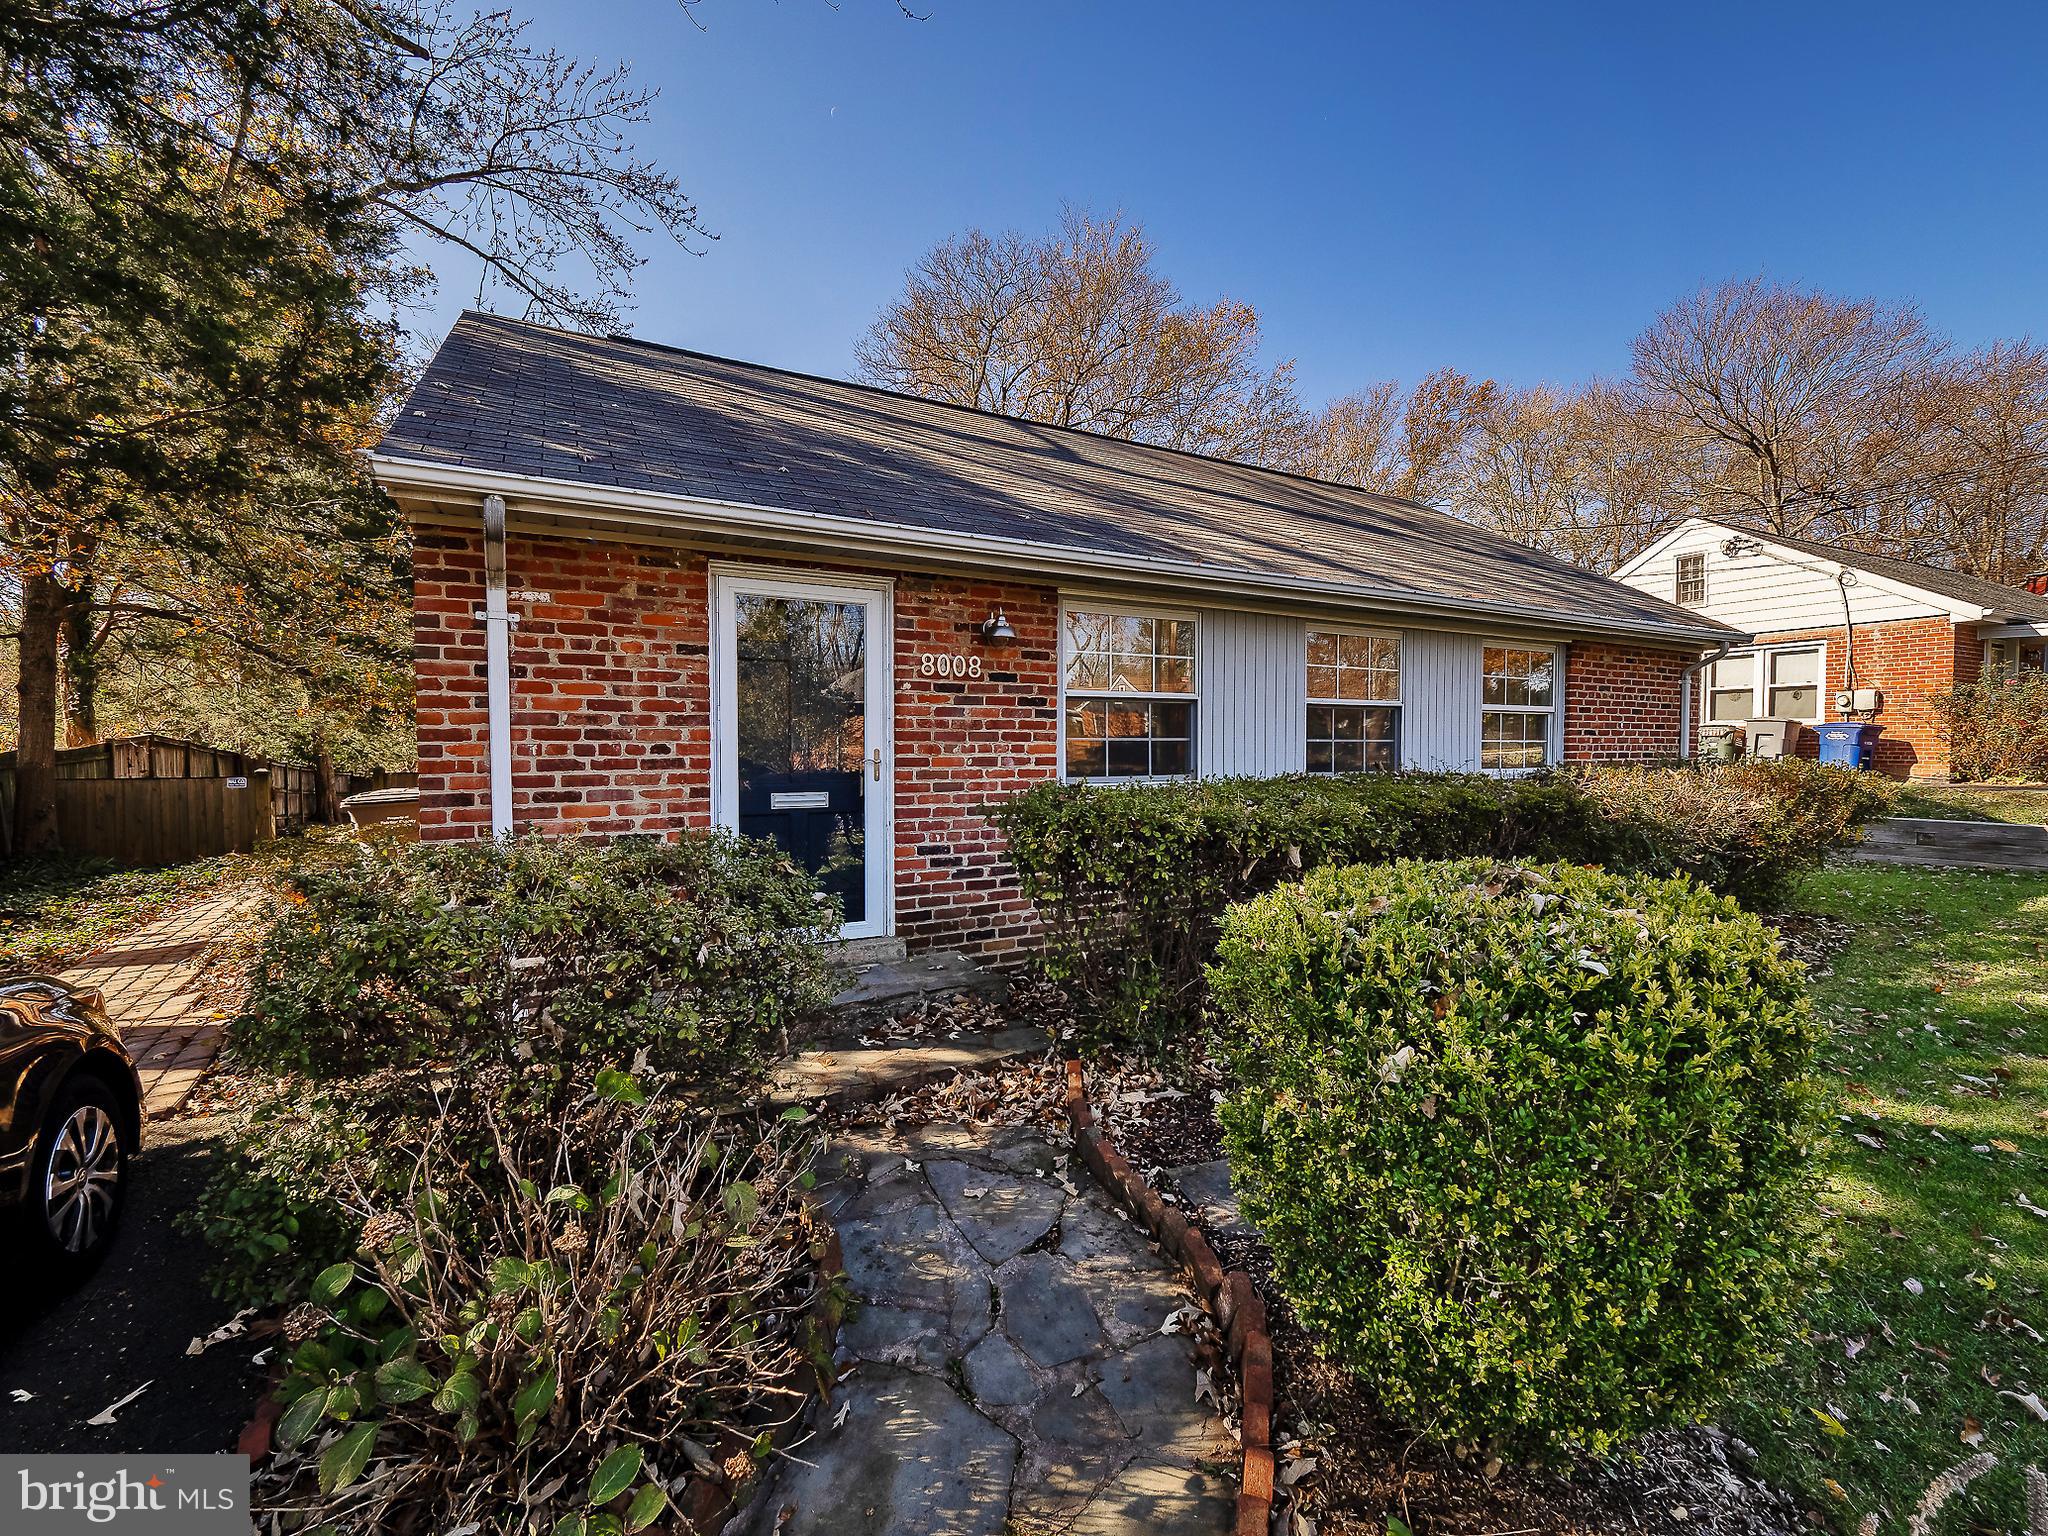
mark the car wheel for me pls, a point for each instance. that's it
(79, 1175)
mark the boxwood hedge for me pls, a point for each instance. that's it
(1528, 1143)
(1131, 881)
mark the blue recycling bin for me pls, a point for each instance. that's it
(1848, 743)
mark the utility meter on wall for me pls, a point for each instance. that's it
(1862, 701)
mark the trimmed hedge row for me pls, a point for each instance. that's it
(1131, 881)
(1528, 1144)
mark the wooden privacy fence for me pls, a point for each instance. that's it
(164, 821)
(159, 800)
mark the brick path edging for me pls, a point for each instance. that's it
(1230, 1296)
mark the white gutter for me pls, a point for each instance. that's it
(626, 506)
(1685, 695)
(496, 616)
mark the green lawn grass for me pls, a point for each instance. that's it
(1938, 1054)
(1970, 802)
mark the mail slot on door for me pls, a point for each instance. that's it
(799, 800)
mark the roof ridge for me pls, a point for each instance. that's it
(1449, 518)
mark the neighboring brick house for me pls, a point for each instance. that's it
(1831, 624)
(657, 590)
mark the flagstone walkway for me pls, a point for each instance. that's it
(1010, 1373)
(149, 982)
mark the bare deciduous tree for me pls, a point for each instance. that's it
(1786, 407)
(1079, 329)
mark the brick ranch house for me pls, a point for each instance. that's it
(657, 590)
(1828, 623)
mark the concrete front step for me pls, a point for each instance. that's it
(1967, 844)
(859, 1074)
(899, 983)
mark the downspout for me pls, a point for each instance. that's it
(1685, 696)
(1844, 580)
(496, 615)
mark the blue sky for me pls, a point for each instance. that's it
(1510, 189)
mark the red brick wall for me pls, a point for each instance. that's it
(1621, 703)
(959, 744)
(610, 689)
(611, 726)
(1908, 661)
(611, 692)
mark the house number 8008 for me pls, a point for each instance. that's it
(947, 664)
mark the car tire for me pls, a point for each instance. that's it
(78, 1180)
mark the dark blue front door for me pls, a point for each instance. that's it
(801, 671)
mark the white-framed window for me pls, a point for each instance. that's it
(1731, 688)
(1354, 701)
(1778, 683)
(2010, 658)
(1792, 680)
(1127, 684)
(1518, 707)
(1692, 580)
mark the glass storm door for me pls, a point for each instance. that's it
(801, 746)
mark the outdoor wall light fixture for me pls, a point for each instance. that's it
(996, 627)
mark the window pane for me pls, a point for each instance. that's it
(1735, 672)
(1729, 706)
(1131, 673)
(1349, 724)
(1129, 632)
(1087, 718)
(1128, 720)
(1084, 759)
(1319, 759)
(1322, 648)
(1511, 741)
(1352, 683)
(1130, 759)
(1170, 757)
(1176, 637)
(1322, 682)
(1537, 690)
(1319, 722)
(1173, 719)
(1350, 756)
(1173, 674)
(1789, 668)
(1088, 670)
(1796, 703)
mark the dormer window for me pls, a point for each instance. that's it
(1692, 580)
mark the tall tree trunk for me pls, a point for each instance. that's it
(81, 678)
(43, 604)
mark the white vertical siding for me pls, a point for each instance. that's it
(1254, 692)
(1440, 700)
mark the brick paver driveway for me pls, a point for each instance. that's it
(148, 980)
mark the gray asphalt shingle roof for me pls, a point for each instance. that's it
(1962, 588)
(507, 396)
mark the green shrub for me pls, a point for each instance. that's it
(1747, 829)
(1130, 881)
(1996, 727)
(1529, 1145)
(687, 957)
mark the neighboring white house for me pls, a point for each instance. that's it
(1831, 622)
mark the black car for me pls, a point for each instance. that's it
(70, 1118)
